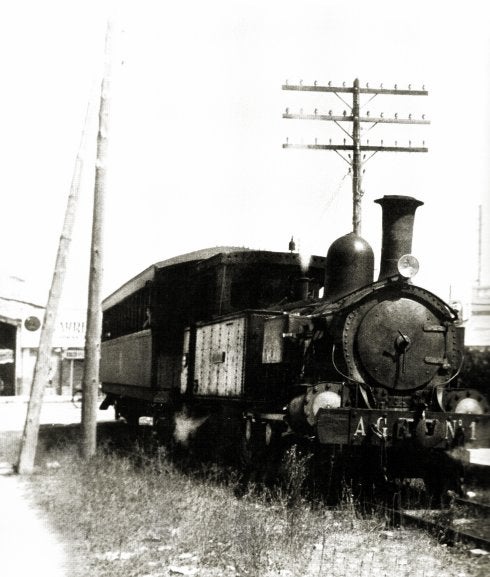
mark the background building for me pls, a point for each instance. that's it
(478, 327)
(20, 329)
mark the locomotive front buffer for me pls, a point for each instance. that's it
(402, 429)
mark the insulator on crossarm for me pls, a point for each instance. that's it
(287, 140)
(410, 143)
(287, 111)
(396, 115)
(410, 87)
(330, 113)
(316, 111)
(315, 83)
(329, 141)
(330, 83)
(301, 111)
(423, 116)
(367, 142)
(301, 83)
(344, 113)
(343, 84)
(316, 141)
(396, 86)
(367, 84)
(344, 141)
(381, 143)
(423, 86)
(368, 113)
(381, 85)
(410, 116)
(396, 143)
(423, 142)
(286, 83)
(381, 115)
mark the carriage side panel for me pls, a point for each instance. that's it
(126, 360)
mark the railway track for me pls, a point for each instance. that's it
(466, 521)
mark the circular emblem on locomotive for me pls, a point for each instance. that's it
(32, 323)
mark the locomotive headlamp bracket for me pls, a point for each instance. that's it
(408, 266)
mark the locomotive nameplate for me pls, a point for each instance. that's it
(437, 430)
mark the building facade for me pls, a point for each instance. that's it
(478, 326)
(20, 329)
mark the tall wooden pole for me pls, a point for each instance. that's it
(356, 161)
(31, 428)
(94, 311)
(478, 278)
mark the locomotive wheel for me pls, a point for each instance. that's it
(257, 442)
(258, 453)
(163, 426)
(246, 465)
(328, 474)
(443, 480)
(129, 412)
(245, 454)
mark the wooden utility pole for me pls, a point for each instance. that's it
(31, 428)
(478, 277)
(356, 146)
(90, 383)
(356, 161)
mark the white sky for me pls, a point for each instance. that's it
(196, 129)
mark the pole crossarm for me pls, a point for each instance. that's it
(355, 160)
(350, 118)
(367, 90)
(362, 148)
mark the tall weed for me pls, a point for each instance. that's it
(136, 514)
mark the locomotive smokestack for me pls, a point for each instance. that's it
(398, 218)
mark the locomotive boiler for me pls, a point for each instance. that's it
(244, 344)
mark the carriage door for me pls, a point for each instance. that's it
(220, 357)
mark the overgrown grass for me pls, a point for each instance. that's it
(138, 515)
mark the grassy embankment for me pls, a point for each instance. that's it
(138, 515)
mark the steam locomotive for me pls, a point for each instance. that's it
(243, 344)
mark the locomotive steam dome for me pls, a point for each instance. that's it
(349, 266)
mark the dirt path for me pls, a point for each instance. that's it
(28, 548)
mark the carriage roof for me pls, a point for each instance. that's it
(206, 257)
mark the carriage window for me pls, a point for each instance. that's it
(129, 316)
(258, 289)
